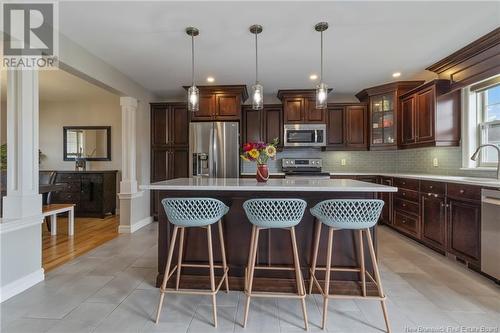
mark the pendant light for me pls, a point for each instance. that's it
(257, 89)
(193, 95)
(321, 88)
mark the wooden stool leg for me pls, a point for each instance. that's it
(212, 277)
(223, 252)
(251, 269)
(53, 224)
(252, 238)
(362, 261)
(167, 271)
(71, 222)
(377, 278)
(327, 276)
(315, 254)
(179, 258)
(298, 276)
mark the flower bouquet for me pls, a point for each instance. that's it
(260, 153)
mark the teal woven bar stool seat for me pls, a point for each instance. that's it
(358, 215)
(274, 213)
(268, 214)
(194, 212)
(348, 213)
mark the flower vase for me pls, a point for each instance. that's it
(262, 173)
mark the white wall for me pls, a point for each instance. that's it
(55, 115)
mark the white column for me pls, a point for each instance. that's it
(23, 198)
(128, 185)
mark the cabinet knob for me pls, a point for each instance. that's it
(404, 221)
(404, 194)
(435, 195)
(429, 194)
(442, 205)
(404, 205)
(430, 186)
(462, 191)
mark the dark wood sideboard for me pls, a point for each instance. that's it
(92, 192)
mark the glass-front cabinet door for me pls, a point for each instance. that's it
(382, 126)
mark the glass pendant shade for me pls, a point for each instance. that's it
(257, 97)
(193, 99)
(321, 96)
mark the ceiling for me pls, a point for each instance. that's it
(60, 86)
(365, 44)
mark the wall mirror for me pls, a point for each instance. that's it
(90, 142)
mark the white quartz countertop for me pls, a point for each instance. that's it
(242, 184)
(486, 182)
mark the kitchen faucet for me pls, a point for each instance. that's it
(476, 153)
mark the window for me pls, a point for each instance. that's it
(488, 109)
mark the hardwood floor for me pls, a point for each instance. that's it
(89, 234)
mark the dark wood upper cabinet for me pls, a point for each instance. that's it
(430, 116)
(207, 108)
(355, 124)
(426, 100)
(385, 112)
(262, 125)
(312, 114)
(293, 110)
(220, 102)
(179, 118)
(346, 126)
(159, 124)
(335, 136)
(408, 120)
(273, 123)
(299, 106)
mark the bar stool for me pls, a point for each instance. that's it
(352, 214)
(267, 214)
(194, 212)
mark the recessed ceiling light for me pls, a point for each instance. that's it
(210, 79)
(313, 77)
(397, 74)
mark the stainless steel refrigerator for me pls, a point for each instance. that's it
(214, 149)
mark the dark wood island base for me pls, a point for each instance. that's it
(274, 245)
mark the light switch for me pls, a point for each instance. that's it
(342, 161)
(435, 162)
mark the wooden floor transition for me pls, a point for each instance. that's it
(89, 234)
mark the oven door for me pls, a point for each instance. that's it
(301, 135)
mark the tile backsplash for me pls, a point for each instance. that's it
(401, 161)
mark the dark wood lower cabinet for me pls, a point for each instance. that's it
(92, 192)
(433, 217)
(464, 230)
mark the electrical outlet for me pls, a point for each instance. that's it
(342, 161)
(435, 162)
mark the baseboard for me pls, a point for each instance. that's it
(20, 285)
(128, 229)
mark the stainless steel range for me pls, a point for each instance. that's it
(303, 168)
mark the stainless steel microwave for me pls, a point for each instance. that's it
(304, 135)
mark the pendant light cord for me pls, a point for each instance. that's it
(192, 60)
(321, 75)
(256, 61)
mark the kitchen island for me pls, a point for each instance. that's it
(274, 245)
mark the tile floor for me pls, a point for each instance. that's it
(111, 289)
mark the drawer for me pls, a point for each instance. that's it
(409, 184)
(406, 206)
(65, 197)
(406, 223)
(469, 192)
(438, 188)
(407, 195)
(67, 177)
(73, 187)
